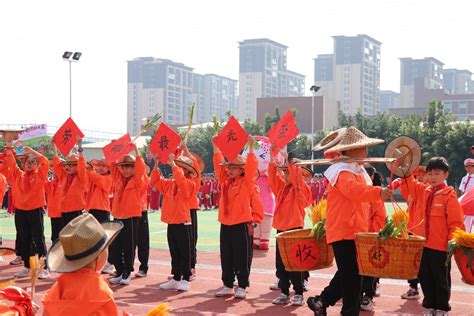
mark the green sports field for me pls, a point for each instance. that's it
(207, 224)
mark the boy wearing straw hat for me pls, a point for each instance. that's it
(177, 193)
(349, 192)
(129, 186)
(79, 255)
(236, 215)
(292, 196)
(72, 180)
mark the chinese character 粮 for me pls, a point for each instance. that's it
(283, 130)
(117, 148)
(164, 143)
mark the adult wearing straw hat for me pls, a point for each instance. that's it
(80, 254)
(349, 191)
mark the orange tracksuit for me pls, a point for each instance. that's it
(82, 292)
(291, 199)
(27, 188)
(3, 186)
(73, 194)
(53, 197)
(235, 206)
(347, 209)
(377, 216)
(413, 194)
(97, 197)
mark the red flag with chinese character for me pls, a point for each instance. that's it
(232, 139)
(117, 148)
(284, 131)
(66, 136)
(165, 141)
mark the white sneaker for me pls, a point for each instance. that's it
(183, 286)
(44, 275)
(306, 285)
(126, 281)
(429, 312)
(367, 304)
(23, 273)
(282, 299)
(115, 280)
(274, 286)
(239, 293)
(440, 313)
(140, 274)
(225, 291)
(298, 300)
(170, 285)
(108, 269)
(16, 261)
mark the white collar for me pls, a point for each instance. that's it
(332, 173)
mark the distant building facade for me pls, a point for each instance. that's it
(263, 73)
(457, 81)
(389, 100)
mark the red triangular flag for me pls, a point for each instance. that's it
(66, 136)
(231, 139)
(117, 148)
(165, 141)
(284, 131)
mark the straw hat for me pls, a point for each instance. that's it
(126, 160)
(238, 161)
(307, 172)
(98, 161)
(352, 138)
(71, 160)
(408, 154)
(200, 161)
(332, 139)
(186, 163)
(80, 242)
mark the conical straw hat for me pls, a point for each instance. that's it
(353, 139)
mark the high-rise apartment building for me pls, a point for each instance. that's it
(429, 70)
(351, 75)
(263, 73)
(457, 81)
(389, 100)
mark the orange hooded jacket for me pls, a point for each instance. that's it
(3, 186)
(83, 292)
(53, 198)
(377, 216)
(128, 194)
(413, 194)
(74, 198)
(97, 197)
(193, 200)
(176, 195)
(348, 203)
(27, 196)
(289, 209)
(235, 205)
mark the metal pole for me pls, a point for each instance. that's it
(312, 126)
(70, 90)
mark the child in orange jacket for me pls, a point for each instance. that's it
(129, 185)
(53, 199)
(79, 255)
(175, 212)
(236, 215)
(292, 195)
(441, 215)
(100, 185)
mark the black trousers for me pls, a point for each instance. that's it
(296, 278)
(236, 254)
(100, 215)
(69, 216)
(413, 283)
(180, 245)
(346, 283)
(368, 286)
(194, 235)
(143, 241)
(122, 249)
(30, 226)
(435, 279)
(56, 226)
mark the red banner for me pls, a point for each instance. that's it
(66, 136)
(165, 141)
(284, 131)
(232, 139)
(117, 148)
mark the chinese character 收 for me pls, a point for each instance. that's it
(164, 143)
(231, 136)
(304, 254)
(117, 148)
(66, 135)
(283, 130)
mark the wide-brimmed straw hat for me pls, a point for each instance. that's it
(238, 161)
(186, 163)
(71, 160)
(126, 160)
(307, 172)
(408, 154)
(352, 138)
(98, 161)
(80, 242)
(332, 139)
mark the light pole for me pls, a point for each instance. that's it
(313, 89)
(75, 57)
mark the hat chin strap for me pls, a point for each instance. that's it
(89, 251)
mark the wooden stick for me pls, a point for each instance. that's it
(191, 114)
(345, 159)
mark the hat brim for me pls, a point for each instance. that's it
(367, 142)
(330, 140)
(57, 261)
(125, 163)
(307, 172)
(186, 166)
(408, 151)
(225, 164)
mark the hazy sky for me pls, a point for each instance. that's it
(204, 34)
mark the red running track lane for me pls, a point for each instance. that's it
(143, 294)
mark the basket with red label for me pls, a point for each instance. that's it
(462, 246)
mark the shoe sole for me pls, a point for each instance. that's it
(411, 298)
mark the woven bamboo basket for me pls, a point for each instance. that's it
(462, 262)
(301, 252)
(393, 258)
